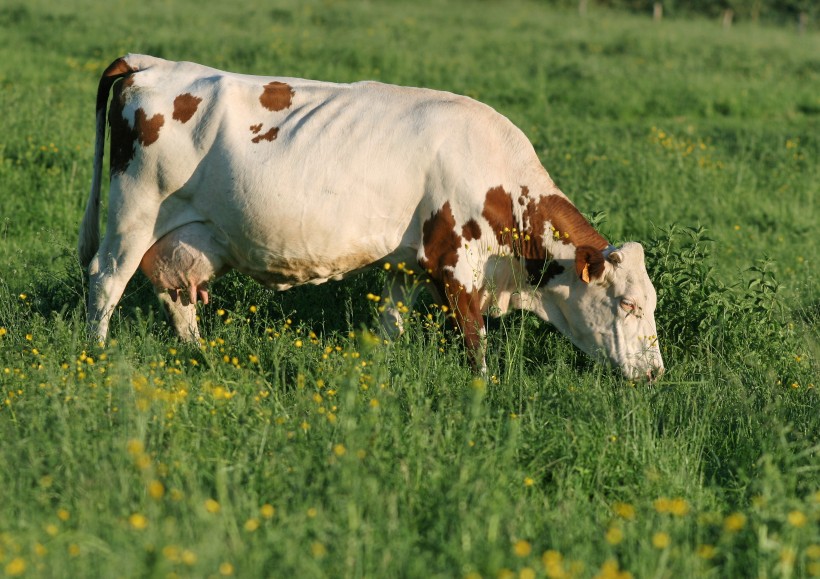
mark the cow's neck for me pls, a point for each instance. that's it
(553, 227)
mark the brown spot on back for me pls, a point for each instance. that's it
(185, 106)
(276, 96)
(256, 128)
(440, 241)
(269, 135)
(498, 213)
(147, 129)
(123, 137)
(471, 230)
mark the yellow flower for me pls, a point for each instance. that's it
(225, 569)
(734, 522)
(16, 567)
(706, 551)
(312, 512)
(156, 489)
(526, 573)
(624, 510)
(522, 548)
(614, 535)
(252, 309)
(318, 550)
(188, 557)
(813, 551)
(138, 521)
(63, 514)
(661, 540)
(797, 519)
(251, 525)
(679, 507)
(339, 450)
(212, 506)
(267, 511)
(528, 481)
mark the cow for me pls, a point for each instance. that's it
(293, 181)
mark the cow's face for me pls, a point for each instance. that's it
(606, 306)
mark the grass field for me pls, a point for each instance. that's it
(294, 443)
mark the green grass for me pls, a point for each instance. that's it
(297, 449)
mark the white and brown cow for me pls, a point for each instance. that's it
(295, 181)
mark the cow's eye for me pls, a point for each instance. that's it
(627, 305)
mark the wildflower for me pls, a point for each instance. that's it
(52, 529)
(63, 515)
(339, 450)
(267, 511)
(679, 507)
(16, 567)
(614, 535)
(624, 510)
(706, 551)
(298, 343)
(74, 550)
(661, 540)
(156, 489)
(528, 481)
(797, 519)
(312, 512)
(734, 522)
(526, 573)
(252, 309)
(251, 525)
(225, 569)
(138, 521)
(23, 297)
(3, 332)
(318, 550)
(212, 506)
(522, 548)
(188, 557)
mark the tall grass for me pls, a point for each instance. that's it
(295, 441)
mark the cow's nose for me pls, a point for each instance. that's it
(654, 373)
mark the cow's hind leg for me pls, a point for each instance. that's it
(181, 315)
(114, 264)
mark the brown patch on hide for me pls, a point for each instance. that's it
(498, 213)
(256, 128)
(123, 136)
(569, 226)
(185, 106)
(471, 230)
(147, 129)
(276, 96)
(269, 135)
(440, 240)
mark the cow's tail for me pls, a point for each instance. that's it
(89, 241)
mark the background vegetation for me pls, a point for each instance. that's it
(293, 442)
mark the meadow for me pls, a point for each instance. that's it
(295, 442)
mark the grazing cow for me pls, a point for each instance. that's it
(295, 181)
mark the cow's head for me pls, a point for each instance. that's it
(605, 303)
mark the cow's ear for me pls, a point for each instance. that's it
(589, 263)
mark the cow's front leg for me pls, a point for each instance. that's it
(396, 296)
(466, 312)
